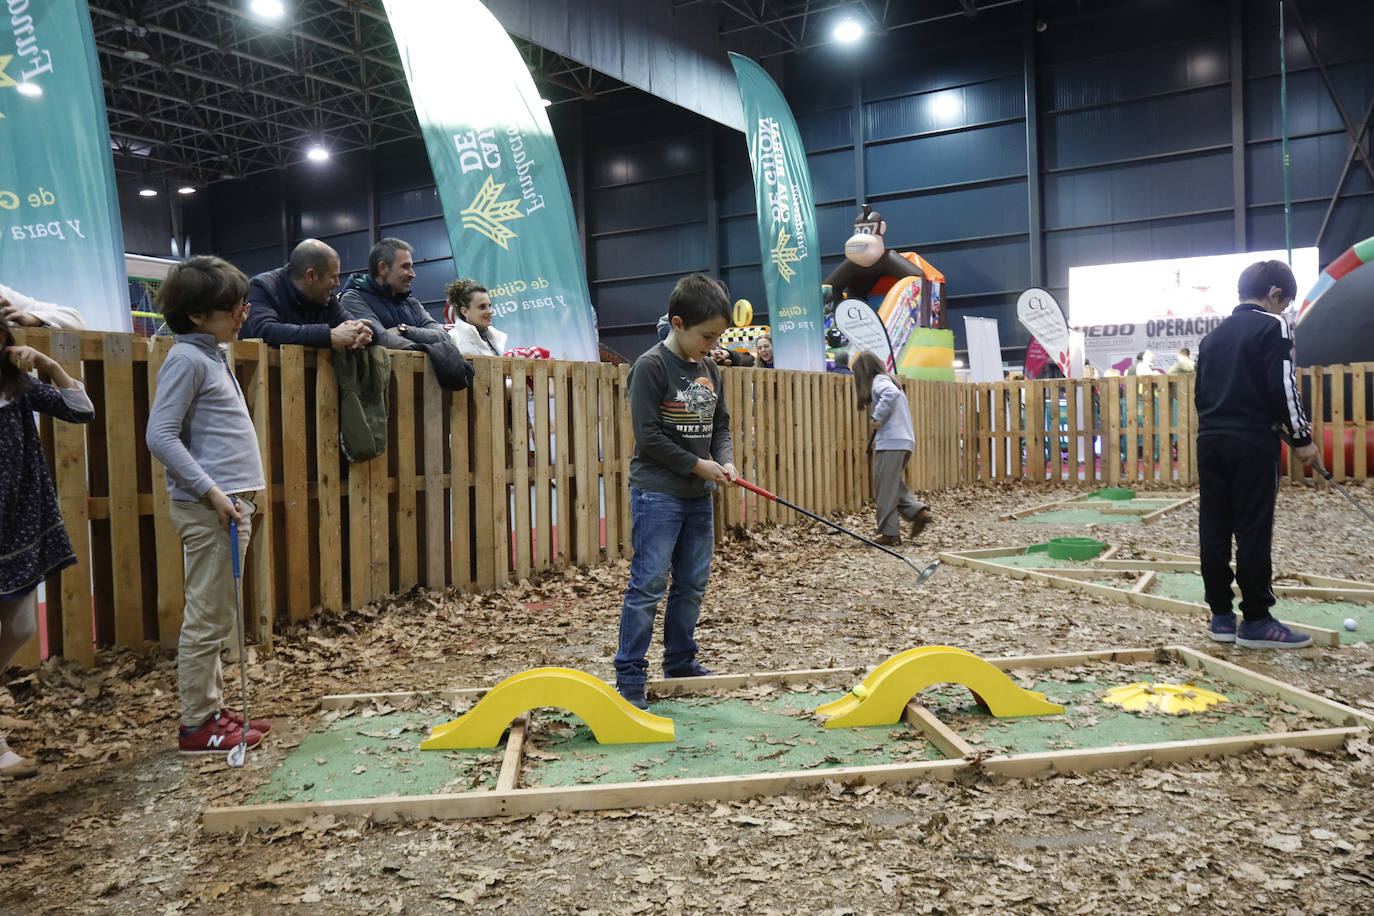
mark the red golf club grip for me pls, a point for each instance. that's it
(755, 488)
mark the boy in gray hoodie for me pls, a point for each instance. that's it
(199, 428)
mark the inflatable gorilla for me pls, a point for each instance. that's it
(868, 262)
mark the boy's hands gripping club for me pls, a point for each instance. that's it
(707, 469)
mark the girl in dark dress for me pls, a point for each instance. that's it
(33, 541)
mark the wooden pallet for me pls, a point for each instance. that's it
(508, 799)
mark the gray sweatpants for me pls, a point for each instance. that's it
(211, 613)
(890, 492)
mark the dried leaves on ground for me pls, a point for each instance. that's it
(112, 822)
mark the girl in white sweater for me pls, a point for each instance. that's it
(472, 330)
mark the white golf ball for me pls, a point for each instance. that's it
(1350, 623)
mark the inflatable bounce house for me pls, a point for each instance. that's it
(1335, 326)
(905, 291)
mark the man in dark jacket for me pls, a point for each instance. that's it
(296, 304)
(383, 299)
(1246, 392)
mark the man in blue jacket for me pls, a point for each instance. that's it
(1246, 392)
(383, 300)
(296, 304)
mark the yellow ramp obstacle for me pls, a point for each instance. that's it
(883, 695)
(610, 717)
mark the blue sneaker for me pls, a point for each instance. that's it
(693, 668)
(1223, 628)
(634, 695)
(1270, 634)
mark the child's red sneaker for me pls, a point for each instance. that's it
(216, 736)
(261, 725)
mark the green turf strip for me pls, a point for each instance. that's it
(362, 757)
(770, 733)
(1085, 516)
(1090, 723)
(1328, 614)
(1188, 587)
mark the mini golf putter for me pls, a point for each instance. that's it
(239, 752)
(612, 719)
(921, 574)
(883, 695)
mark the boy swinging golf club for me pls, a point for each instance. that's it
(1246, 384)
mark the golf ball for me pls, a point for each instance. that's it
(1350, 623)
(859, 691)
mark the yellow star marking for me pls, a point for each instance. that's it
(784, 256)
(488, 215)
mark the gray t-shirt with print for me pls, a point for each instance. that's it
(679, 416)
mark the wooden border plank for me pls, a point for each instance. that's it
(515, 754)
(937, 732)
(1337, 713)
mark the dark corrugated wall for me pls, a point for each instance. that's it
(1137, 159)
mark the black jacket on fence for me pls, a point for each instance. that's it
(1246, 383)
(282, 315)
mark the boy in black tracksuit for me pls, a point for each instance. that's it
(1247, 389)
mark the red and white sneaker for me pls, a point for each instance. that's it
(217, 736)
(261, 725)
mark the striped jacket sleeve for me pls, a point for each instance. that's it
(1284, 393)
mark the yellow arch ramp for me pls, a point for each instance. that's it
(611, 719)
(892, 684)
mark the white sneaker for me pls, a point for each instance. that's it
(16, 767)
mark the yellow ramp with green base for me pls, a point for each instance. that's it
(611, 719)
(883, 695)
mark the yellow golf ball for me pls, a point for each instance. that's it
(859, 691)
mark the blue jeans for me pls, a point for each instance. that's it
(668, 533)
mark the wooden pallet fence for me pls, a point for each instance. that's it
(1340, 404)
(526, 472)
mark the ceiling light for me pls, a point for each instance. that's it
(147, 192)
(186, 189)
(29, 89)
(317, 153)
(268, 9)
(958, 364)
(848, 31)
(134, 54)
(546, 103)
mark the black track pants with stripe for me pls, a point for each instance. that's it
(1238, 484)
